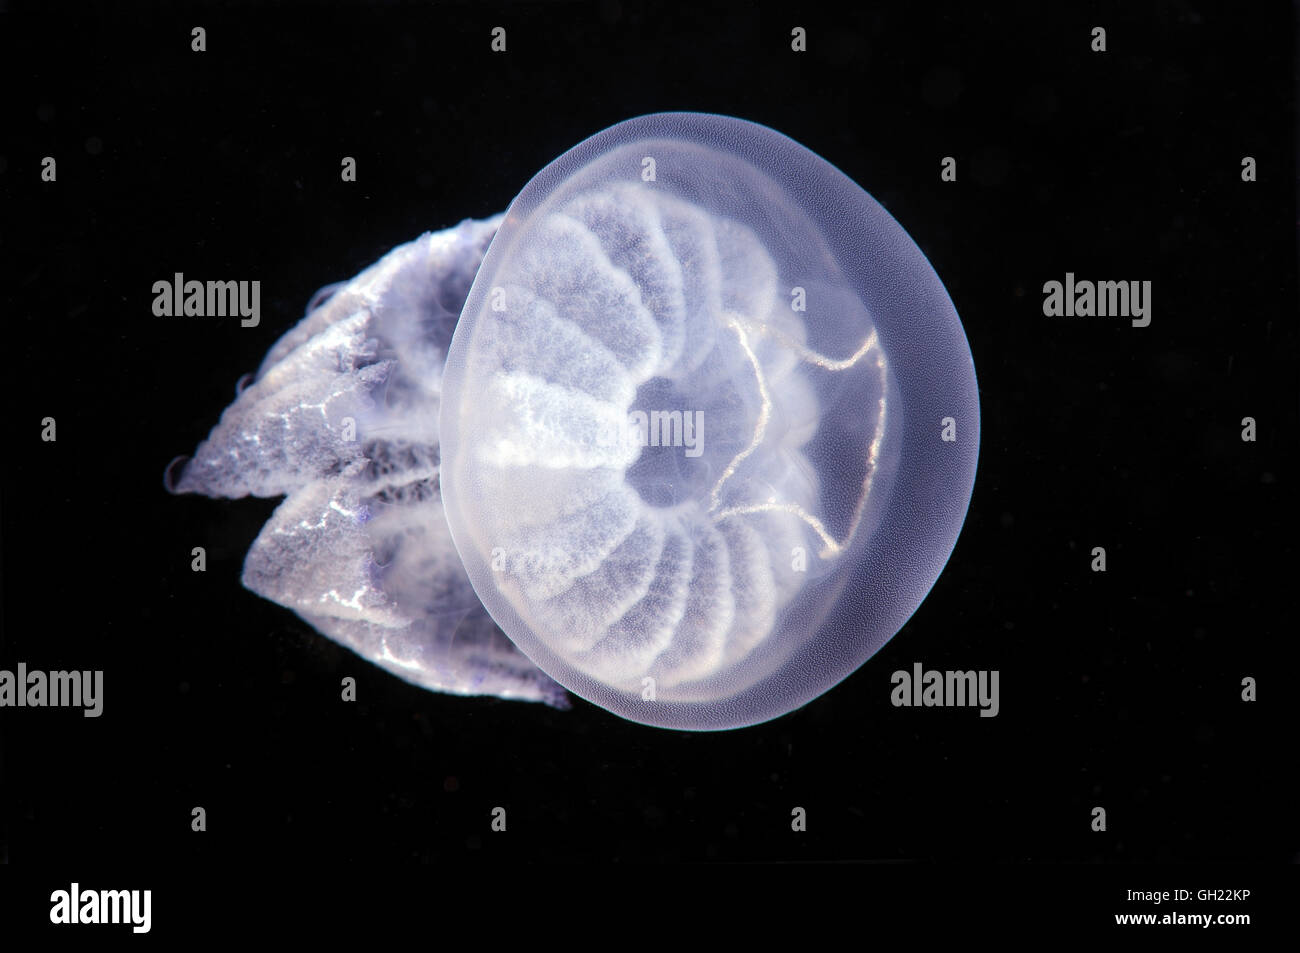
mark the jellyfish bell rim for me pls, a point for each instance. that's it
(921, 335)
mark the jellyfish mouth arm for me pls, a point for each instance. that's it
(287, 430)
(317, 556)
(341, 419)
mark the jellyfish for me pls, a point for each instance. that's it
(689, 431)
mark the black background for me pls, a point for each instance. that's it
(1119, 690)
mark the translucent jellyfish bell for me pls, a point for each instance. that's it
(709, 423)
